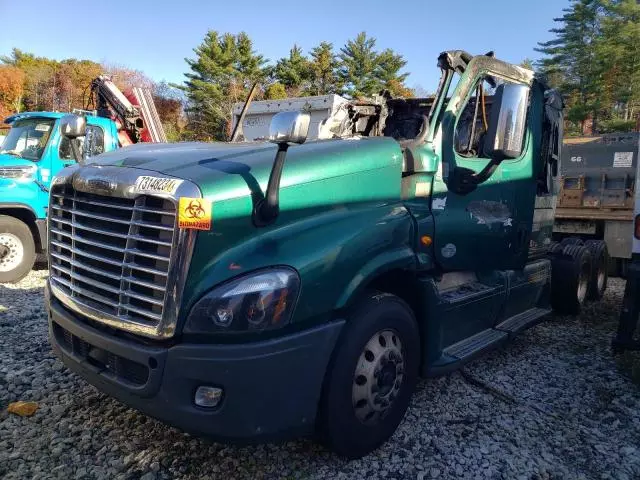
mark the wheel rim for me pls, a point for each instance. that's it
(583, 282)
(601, 275)
(378, 377)
(12, 254)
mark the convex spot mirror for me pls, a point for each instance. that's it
(505, 136)
(289, 127)
(73, 126)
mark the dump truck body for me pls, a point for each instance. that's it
(597, 189)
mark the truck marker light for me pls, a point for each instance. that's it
(194, 213)
(636, 230)
(426, 240)
(207, 397)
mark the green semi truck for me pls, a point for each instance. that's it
(258, 290)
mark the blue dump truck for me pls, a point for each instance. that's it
(32, 152)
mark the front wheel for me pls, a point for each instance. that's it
(371, 376)
(17, 249)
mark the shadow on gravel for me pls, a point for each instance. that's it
(14, 299)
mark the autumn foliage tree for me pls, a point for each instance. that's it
(11, 89)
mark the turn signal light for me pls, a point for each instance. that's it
(636, 230)
(426, 240)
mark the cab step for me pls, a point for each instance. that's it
(522, 320)
(476, 344)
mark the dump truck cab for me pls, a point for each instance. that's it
(267, 289)
(32, 152)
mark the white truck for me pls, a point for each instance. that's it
(259, 114)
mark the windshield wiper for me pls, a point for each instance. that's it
(12, 152)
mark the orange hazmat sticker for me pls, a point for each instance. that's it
(194, 213)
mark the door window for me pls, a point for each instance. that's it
(90, 145)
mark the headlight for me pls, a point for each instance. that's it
(21, 172)
(263, 300)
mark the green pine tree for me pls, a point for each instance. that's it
(294, 72)
(570, 60)
(364, 72)
(222, 73)
(324, 64)
(358, 65)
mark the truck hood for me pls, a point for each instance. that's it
(226, 170)
(13, 161)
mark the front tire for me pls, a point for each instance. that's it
(371, 376)
(17, 249)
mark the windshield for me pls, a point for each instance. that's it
(28, 138)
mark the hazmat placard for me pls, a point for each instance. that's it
(623, 159)
(194, 213)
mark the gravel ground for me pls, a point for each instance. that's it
(552, 404)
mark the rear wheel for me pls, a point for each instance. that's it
(570, 275)
(600, 271)
(371, 376)
(17, 249)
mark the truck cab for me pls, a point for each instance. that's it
(268, 289)
(32, 152)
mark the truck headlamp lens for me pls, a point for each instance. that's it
(22, 172)
(256, 302)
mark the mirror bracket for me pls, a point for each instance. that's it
(285, 128)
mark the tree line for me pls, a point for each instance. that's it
(226, 66)
(223, 71)
(31, 83)
(594, 60)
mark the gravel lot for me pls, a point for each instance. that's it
(552, 404)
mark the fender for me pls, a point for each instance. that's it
(397, 258)
(13, 206)
(37, 226)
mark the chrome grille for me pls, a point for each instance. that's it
(112, 255)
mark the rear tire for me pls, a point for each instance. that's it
(600, 271)
(17, 249)
(371, 376)
(571, 241)
(570, 275)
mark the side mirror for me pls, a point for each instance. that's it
(505, 137)
(289, 127)
(72, 127)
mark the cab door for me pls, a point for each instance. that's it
(485, 228)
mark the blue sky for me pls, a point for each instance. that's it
(155, 37)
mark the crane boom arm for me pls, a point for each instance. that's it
(135, 113)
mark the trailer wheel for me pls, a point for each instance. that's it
(17, 249)
(555, 247)
(600, 271)
(571, 241)
(371, 376)
(570, 275)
